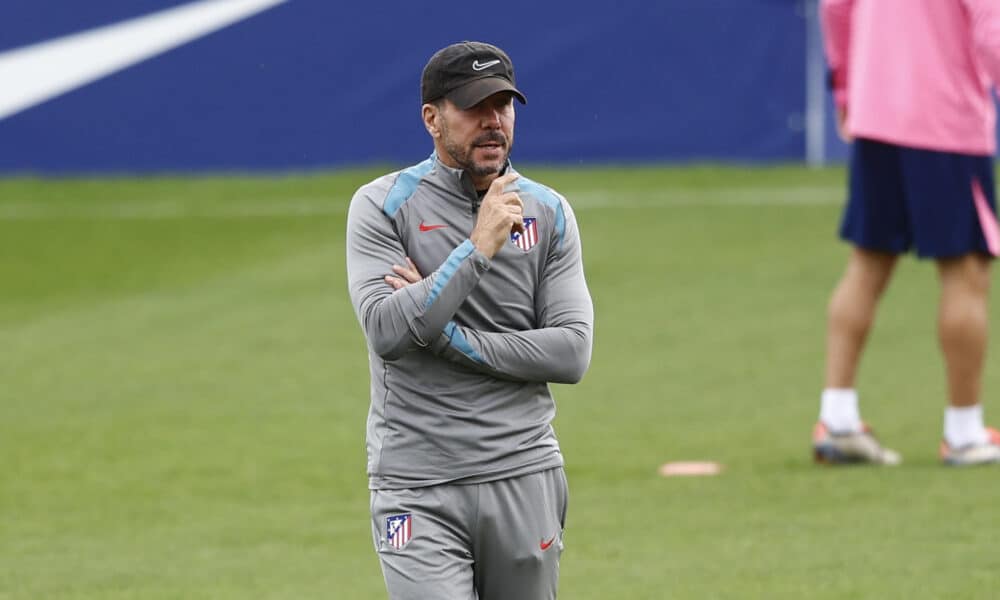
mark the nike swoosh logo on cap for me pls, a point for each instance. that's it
(39, 72)
(478, 66)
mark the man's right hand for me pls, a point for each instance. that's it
(500, 214)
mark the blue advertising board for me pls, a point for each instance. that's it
(221, 85)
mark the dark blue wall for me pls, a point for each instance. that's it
(319, 83)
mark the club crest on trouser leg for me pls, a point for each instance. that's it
(526, 240)
(398, 530)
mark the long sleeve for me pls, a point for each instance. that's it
(401, 320)
(559, 350)
(984, 16)
(835, 20)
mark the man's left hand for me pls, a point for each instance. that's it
(407, 275)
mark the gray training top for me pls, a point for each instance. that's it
(460, 361)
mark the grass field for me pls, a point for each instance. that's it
(183, 391)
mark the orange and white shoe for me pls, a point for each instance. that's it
(851, 448)
(973, 454)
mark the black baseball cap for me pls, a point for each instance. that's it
(466, 73)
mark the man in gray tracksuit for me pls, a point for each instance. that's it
(468, 489)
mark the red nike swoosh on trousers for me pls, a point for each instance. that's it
(545, 545)
(430, 227)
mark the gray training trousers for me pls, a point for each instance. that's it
(499, 540)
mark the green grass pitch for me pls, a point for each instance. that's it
(183, 391)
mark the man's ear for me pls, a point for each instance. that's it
(431, 115)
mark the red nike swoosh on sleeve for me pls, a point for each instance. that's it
(545, 545)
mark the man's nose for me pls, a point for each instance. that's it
(491, 118)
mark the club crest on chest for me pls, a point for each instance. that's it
(526, 240)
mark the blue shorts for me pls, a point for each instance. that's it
(903, 197)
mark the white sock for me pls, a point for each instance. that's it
(839, 410)
(963, 426)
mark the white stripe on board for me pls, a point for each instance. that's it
(39, 72)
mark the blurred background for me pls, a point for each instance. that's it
(184, 384)
(173, 85)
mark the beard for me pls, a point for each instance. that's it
(464, 156)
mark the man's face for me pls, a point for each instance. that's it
(478, 139)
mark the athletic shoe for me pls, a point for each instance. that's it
(973, 454)
(850, 448)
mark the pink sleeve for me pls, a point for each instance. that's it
(835, 19)
(984, 15)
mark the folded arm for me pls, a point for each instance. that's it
(559, 350)
(399, 320)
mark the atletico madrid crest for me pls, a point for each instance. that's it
(529, 237)
(398, 530)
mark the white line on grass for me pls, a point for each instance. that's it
(728, 196)
(595, 199)
(161, 210)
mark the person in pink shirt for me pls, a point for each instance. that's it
(912, 82)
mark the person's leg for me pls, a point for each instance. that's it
(520, 536)
(962, 324)
(851, 313)
(962, 331)
(953, 207)
(423, 541)
(875, 222)
(840, 436)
